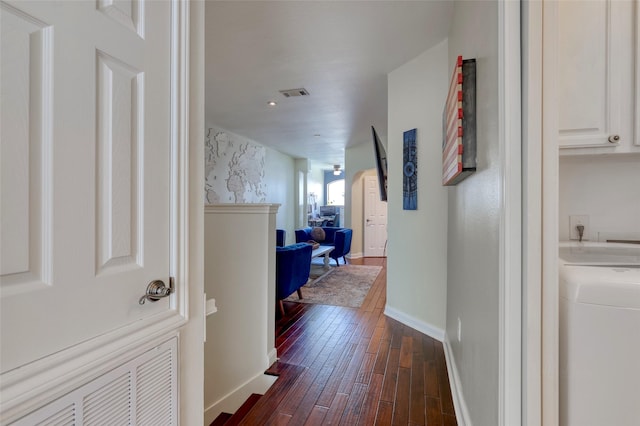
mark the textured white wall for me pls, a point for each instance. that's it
(607, 188)
(417, 248)
(274, 170)
(234, 168)
(474, 218)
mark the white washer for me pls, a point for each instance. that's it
(599, 334)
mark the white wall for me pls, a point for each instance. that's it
(240, 335)
(474, 215)
(605, 187)
(417, 248)
(315, 180)
(278, 178)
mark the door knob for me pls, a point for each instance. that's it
(156, 290)
(614, 139)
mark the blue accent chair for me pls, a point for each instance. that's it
(281, 237)
(339, 238)
(293, 264)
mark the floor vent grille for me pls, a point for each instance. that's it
(142, 392)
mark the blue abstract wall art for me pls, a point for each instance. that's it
(410, 171)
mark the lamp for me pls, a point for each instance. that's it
(336, 170)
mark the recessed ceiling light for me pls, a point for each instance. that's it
(272, 103)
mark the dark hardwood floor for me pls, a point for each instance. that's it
(346, 366)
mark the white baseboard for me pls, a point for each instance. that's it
(233, 400)
(416, 324)
(272, 357)
(459, 404)
(355, 255)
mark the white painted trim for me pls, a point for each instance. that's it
(510, 251)
(532, 213)
(233, 400)
(179, 243)
(415, 323)
(355, 256)
(29, 387)
(253, 208)
(459, 404)
(272, 357)
(191, 343)
(550, 234)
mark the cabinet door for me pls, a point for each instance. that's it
(594, 73)
(635, 118)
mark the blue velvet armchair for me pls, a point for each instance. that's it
(339, 238)
(293, 264)
(342, 244)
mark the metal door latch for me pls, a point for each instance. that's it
(156, 290)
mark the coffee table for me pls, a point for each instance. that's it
(323, 251)
(326, 268)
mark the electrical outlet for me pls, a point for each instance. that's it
(574, 221)
(459, 330)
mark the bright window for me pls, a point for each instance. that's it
(335, 193)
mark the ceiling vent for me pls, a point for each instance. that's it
(289, 93)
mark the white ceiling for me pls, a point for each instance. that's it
(340, 51)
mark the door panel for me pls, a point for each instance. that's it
(85, 154)
(375, 213)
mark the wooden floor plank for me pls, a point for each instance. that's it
(431, 386)
(306, 405)
(434, 411)
(391, 376)
(382, 357)
(351, 412)
(350, 374)
(416, 403)
(336, 409)
(316, 418)
(371, 400)
(366, 369)
(385, 413)
(331, 387)
(401, 406)
(406, 352)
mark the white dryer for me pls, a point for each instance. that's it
(599, 334)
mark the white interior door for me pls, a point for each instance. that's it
(85, 170)
(375, 219)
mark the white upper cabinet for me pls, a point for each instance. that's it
(596, 76)
(636, 59)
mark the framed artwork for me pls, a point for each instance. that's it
(459, 124)
(410, 171)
